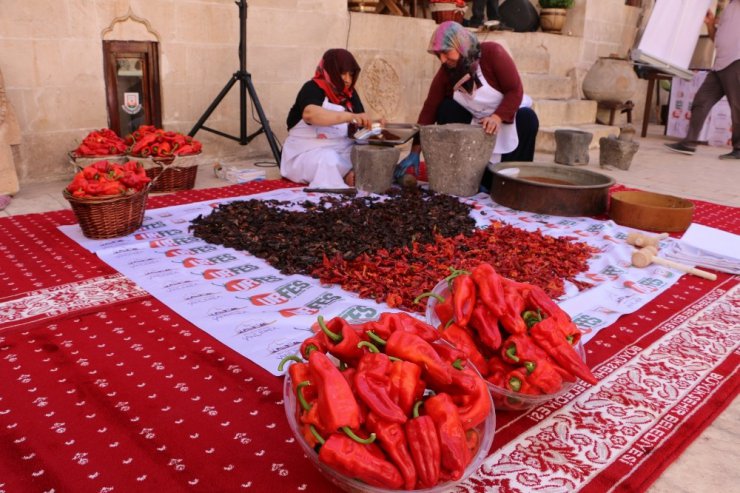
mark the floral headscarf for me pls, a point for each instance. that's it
(328, 76)
(451, 35)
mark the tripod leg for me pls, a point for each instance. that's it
(263, 120)
(214, 104)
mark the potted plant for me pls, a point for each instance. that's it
(552, 14)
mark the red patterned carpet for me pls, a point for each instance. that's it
(106, 389)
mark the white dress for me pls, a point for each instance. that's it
(482, 103)
(319, 156)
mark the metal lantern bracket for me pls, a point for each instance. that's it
(245, 86)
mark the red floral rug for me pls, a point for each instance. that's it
(106, 389)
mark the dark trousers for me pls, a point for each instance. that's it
(725, 82)
(527, 125)
(491, 7)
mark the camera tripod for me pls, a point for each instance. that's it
(245, 86)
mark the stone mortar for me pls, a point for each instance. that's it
(373, 166)
(617, 153)
(571, 147)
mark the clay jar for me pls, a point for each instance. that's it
(456, 156)
(610, 80)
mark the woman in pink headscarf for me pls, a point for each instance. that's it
(317, 149)
(478, 83)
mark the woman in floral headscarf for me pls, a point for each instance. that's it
(317, 148)
(478, 83)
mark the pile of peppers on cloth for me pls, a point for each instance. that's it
(149, 141)
(103, 142)
(104, 178)
(517, 337)
(401, 410)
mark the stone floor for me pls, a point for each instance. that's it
(710, 463)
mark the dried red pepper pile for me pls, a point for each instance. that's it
(398, 276)
(514, 334)
(103, 142)
(403, 411)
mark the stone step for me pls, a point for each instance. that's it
(543, 86)
(532, 62)
(546, 135)
(565, 111)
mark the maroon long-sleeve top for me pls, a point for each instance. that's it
(500, 72)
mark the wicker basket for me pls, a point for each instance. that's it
(109, 217)
(171, 174)
(80, 162)
(443, 11)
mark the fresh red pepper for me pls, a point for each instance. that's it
(360, 461)
(341, 339)
(511, 318)
(411, 347)
(444, 310)
(453, 444)
(497, 371)
(475, 407)
(405, 386)
(372, 387)
(336, 403)
(547, 336)
(407, 323)
(393, 441)
(463, 298)
(516, 381)
(423, 440)
(490, 288)
(543, 375)
(485, 324)
(462, 340)
(538, 299)
(317, 342)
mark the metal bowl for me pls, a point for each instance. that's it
(550, 189)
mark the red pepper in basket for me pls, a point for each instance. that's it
(516, 381)
(411, 347)
(405, 386)
(521, 350)
(444, 310)
(337, 405)
(511, 318)
(372, 387)
(547, 336)
(485, 324)
(490, 288)
(474, 407)
(423, 440)
(544, 376)
(453, 444)
(463, 298)
(315, 343)
(462, 340)
(341, 339)
(537, 298)
(497, 371)
(407, 323)
(393, 441)
(360, 461)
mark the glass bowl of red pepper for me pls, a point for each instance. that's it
(435, 442)
(525, 346)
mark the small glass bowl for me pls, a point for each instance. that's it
(503, 399)
(486, 431)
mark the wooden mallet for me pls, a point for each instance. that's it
(643, 240)
(647, 255)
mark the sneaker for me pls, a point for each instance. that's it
(681, 148)
(731, 155)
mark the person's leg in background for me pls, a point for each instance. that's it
(527, 126)
(730, 79)
(707, 96)
(476, 20)
(492, 10)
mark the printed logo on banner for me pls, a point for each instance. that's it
(645, 285)
(140, 262)
(281, 295)
(587, 322)
(359, 312)
(195, 299)
(178, 285)
(173, 242)
(219, 313)
(154, 225)
(158, 234)
(191, 262)
(155, 274)
(210, 274)
(610, 272)
(245, 284)
(248, 331)
(313, 306)
(178, 252)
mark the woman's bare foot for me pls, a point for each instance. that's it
(349, 179)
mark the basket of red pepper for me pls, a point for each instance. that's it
(109, 199)
(170, 157)
(387, 405)
(526, 347)
(99, 145)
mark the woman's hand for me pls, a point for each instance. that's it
(491, 124)
(362, 120)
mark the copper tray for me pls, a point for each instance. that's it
(550, 189)
(404, 132)
(651, 211)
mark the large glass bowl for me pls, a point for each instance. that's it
(485, 431)
(503, 399)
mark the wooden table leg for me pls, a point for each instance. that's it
(648, 102)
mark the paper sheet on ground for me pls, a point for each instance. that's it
(264, 315)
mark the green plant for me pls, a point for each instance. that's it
(556, 4)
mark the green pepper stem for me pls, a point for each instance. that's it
(515, 384)
(375, 337)
(290, 357)
(299, 392)
(511, 353)
(458, 364)
(369, 345)
(309, 349)
(316, 435)
(331, 335)
(416, 408)
(429, 294)
(357, 439)
(530, 366)
(455, 273)
(531, 317)
(393, 358)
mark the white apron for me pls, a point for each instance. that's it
(319, 156)
(482, 103)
